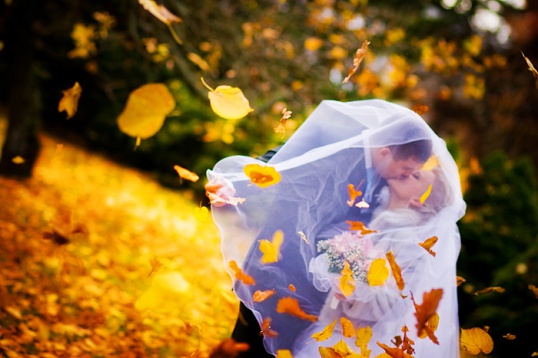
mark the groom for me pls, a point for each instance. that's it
(380, 164)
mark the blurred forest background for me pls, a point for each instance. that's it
(458, 63)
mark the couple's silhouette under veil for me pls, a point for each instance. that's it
(350, 230)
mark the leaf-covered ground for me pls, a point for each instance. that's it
(82, 241)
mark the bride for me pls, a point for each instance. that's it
(315, 192)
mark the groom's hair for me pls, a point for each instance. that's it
(419, 150)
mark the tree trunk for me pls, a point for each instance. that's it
(23, 112)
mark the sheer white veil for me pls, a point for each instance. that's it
(310, 203)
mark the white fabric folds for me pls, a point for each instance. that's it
(310, 205)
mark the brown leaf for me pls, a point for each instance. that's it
(428, 244)
(266, 328)
(430, 302)
(396, 270)
(489, 289)
(359, 56)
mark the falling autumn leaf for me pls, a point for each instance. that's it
(420, 109)
(146, 110)
(428, 244)
(534, 290)
(460, 280)
(426, 194)
(281, 128)
(283, 353)
(220, 200)
(262, 175)
(359, 56)
(266, 328)
(509, 336)
(260, 296)
(291, 306)
(18, 160)
(159, 11)
(430, 302)
(348, 330)
(186, 174)
(155, 265)
(69, 101)
(292, 288)
(228, 102)
(432, 323)
(489, 289)
(396, 270)
(201, 213)
(378, 272)
(360, 227)
(364, 334)
(353, 194)
(303, 237)
(346, 283)
(431, 163)
(240, 275)
(531, 68)
(476, 340)
(229, 348)
(271, 249)
(326, 333)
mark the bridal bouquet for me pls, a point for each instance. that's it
(357, 250)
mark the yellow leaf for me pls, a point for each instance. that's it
(431, 163)
(271, 250)
(291, 306)
(283, 353)
(378, 272)
(348, 330)
(69, 101)
(428, 244)
(396, 270)
(146, 110)
(476, 340)
(186, 174)
(342, 348)
(228, 102)
(432, 323)
(18, 160)
(262, 175)
(364, 334)
(201, 213)
(326, 333)
(425, 196)
(347, 284)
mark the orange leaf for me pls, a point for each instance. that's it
(430, 302)
(283, 353)
(476, 340)
(394, 352)
(240, 275)
(396, 270)
(292, 288)
(359, 56)
(347, 283)
(428, 244)
(229, 348)
(155, 265)
(353, 194)
(489, 289)
(69, 101)
(266, 328)
(326, 333)
(509, 336)
(260, 296)
(348, 330)
(460, 280)
(291, 306)
(432, 323)
(262, 175)
(186, 174)
(359, 226)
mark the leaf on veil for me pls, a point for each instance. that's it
(260, 296)
(325, 333)
(271, 250)
(303, 237)
(394, 352)
(404, 346)
(426, 194)
(348, 330)
(266, 328)
(428, 244)
(347, 283)
(396, 270)
(291, 306)
(476, 340)
(240, 275)
(432, 323)
(292, 288)
(359, 56)
(430, 302)
(359, 226)
(431, 163)
(489, 289)
(283, 353)
(339, 350)
(353, 194)
(378, 272)
(262, 175)
(364, 335)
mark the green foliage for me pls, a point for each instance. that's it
(500, 248)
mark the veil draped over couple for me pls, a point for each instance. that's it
(359, 180)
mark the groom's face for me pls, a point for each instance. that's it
(389, 168)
